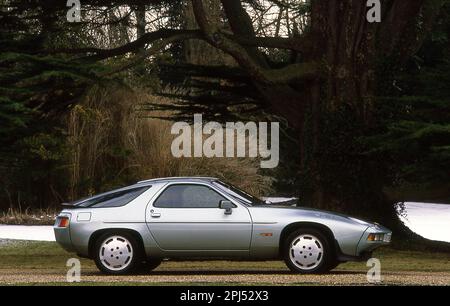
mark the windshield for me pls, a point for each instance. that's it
(239, 194)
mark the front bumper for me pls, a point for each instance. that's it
(366, 244)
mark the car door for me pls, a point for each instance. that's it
(187, 217)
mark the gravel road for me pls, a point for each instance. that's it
(276, 277)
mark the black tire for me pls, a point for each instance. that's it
(322, 261)
(132, 265)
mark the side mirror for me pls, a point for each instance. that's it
(228, 206)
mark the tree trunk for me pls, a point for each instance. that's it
(140, 22)
(200, 52)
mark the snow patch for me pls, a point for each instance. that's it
(431, 221)
(27, 232)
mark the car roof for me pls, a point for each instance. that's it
(147, 183)
(178, 179)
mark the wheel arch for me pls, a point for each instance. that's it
(95, 235)
(325, 230)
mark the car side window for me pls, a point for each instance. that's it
(188, 196)
(114, 199)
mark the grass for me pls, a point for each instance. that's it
(49, 256)
(36, 255)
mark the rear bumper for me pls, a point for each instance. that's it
(62, 235)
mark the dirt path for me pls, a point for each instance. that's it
(277, 277)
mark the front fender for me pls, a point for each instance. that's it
(346, 232)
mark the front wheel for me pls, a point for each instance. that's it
(307, 251)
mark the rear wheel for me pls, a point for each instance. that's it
(118, 253)
(307, 251)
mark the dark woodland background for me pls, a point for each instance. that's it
(87, 106)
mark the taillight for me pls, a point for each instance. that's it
(63, 222)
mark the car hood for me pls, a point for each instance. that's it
(313, 212)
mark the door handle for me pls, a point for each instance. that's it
(154, 214)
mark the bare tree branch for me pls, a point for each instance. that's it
(262, 74)
(300, 44)
(138, 58)
(147, 38)
(242, 26)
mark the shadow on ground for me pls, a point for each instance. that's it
(225, 272)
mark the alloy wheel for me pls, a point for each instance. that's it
(116, 253)
(306, 252)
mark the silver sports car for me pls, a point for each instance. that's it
(136, 227)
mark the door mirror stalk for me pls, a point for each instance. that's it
(228, 206)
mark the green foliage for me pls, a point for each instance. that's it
(37, 88)
(413, 132)
(45, 147)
